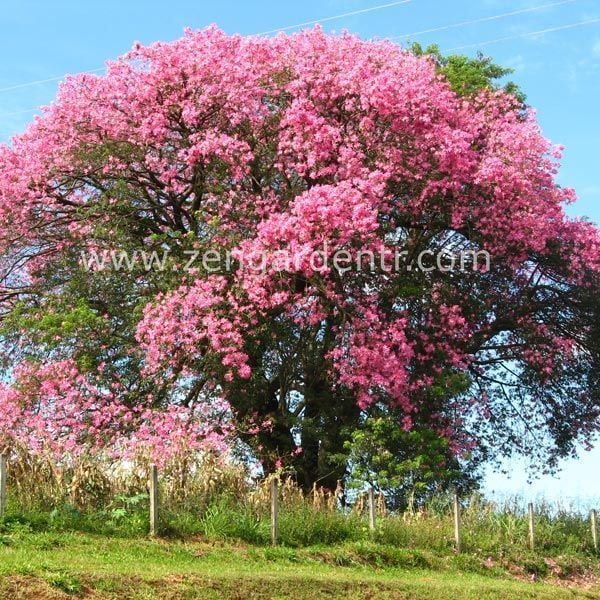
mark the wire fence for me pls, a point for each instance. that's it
(459, 523)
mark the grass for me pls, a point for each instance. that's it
(220, 547)
(69, 565)
(487, 531)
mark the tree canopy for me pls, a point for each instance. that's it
(264, 153)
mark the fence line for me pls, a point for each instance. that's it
(371, 509)
(274, 511)
(531, 525)
(457, 537)
(153, 492)
(2, 485)
(374, 505)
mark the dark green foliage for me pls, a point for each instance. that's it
(467, 76)
(409, 467)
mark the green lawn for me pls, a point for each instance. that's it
(63, 565)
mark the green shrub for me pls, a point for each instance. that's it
(390, 556)
(306, 526)
(222, 520)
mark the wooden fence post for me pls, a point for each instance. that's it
(2, 485)
(274, 511)
(531, 529)
(593, 519)
(371, 509)
(153, 500)
(457, 540)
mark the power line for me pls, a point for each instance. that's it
(482, 19)
(48, 80)
(19, 112)
(348, 14)
(286, 28)
(528, 34)
(379, 7)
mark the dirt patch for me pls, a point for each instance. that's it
(20, 587)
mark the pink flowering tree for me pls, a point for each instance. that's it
(300, 165)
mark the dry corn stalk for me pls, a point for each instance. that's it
(319, 497)
(334, 499)
(359, 505)
(380, 507)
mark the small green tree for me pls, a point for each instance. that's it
(407, 466)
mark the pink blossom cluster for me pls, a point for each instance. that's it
(57, 413)
(191, 322)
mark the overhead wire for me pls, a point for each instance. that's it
(371, 9)
(341, 16)
(481, 19)
(526, 34)
(286, 28)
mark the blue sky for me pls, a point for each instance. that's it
(559, 71)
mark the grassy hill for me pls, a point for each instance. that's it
(44, 565)
(216, 543)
